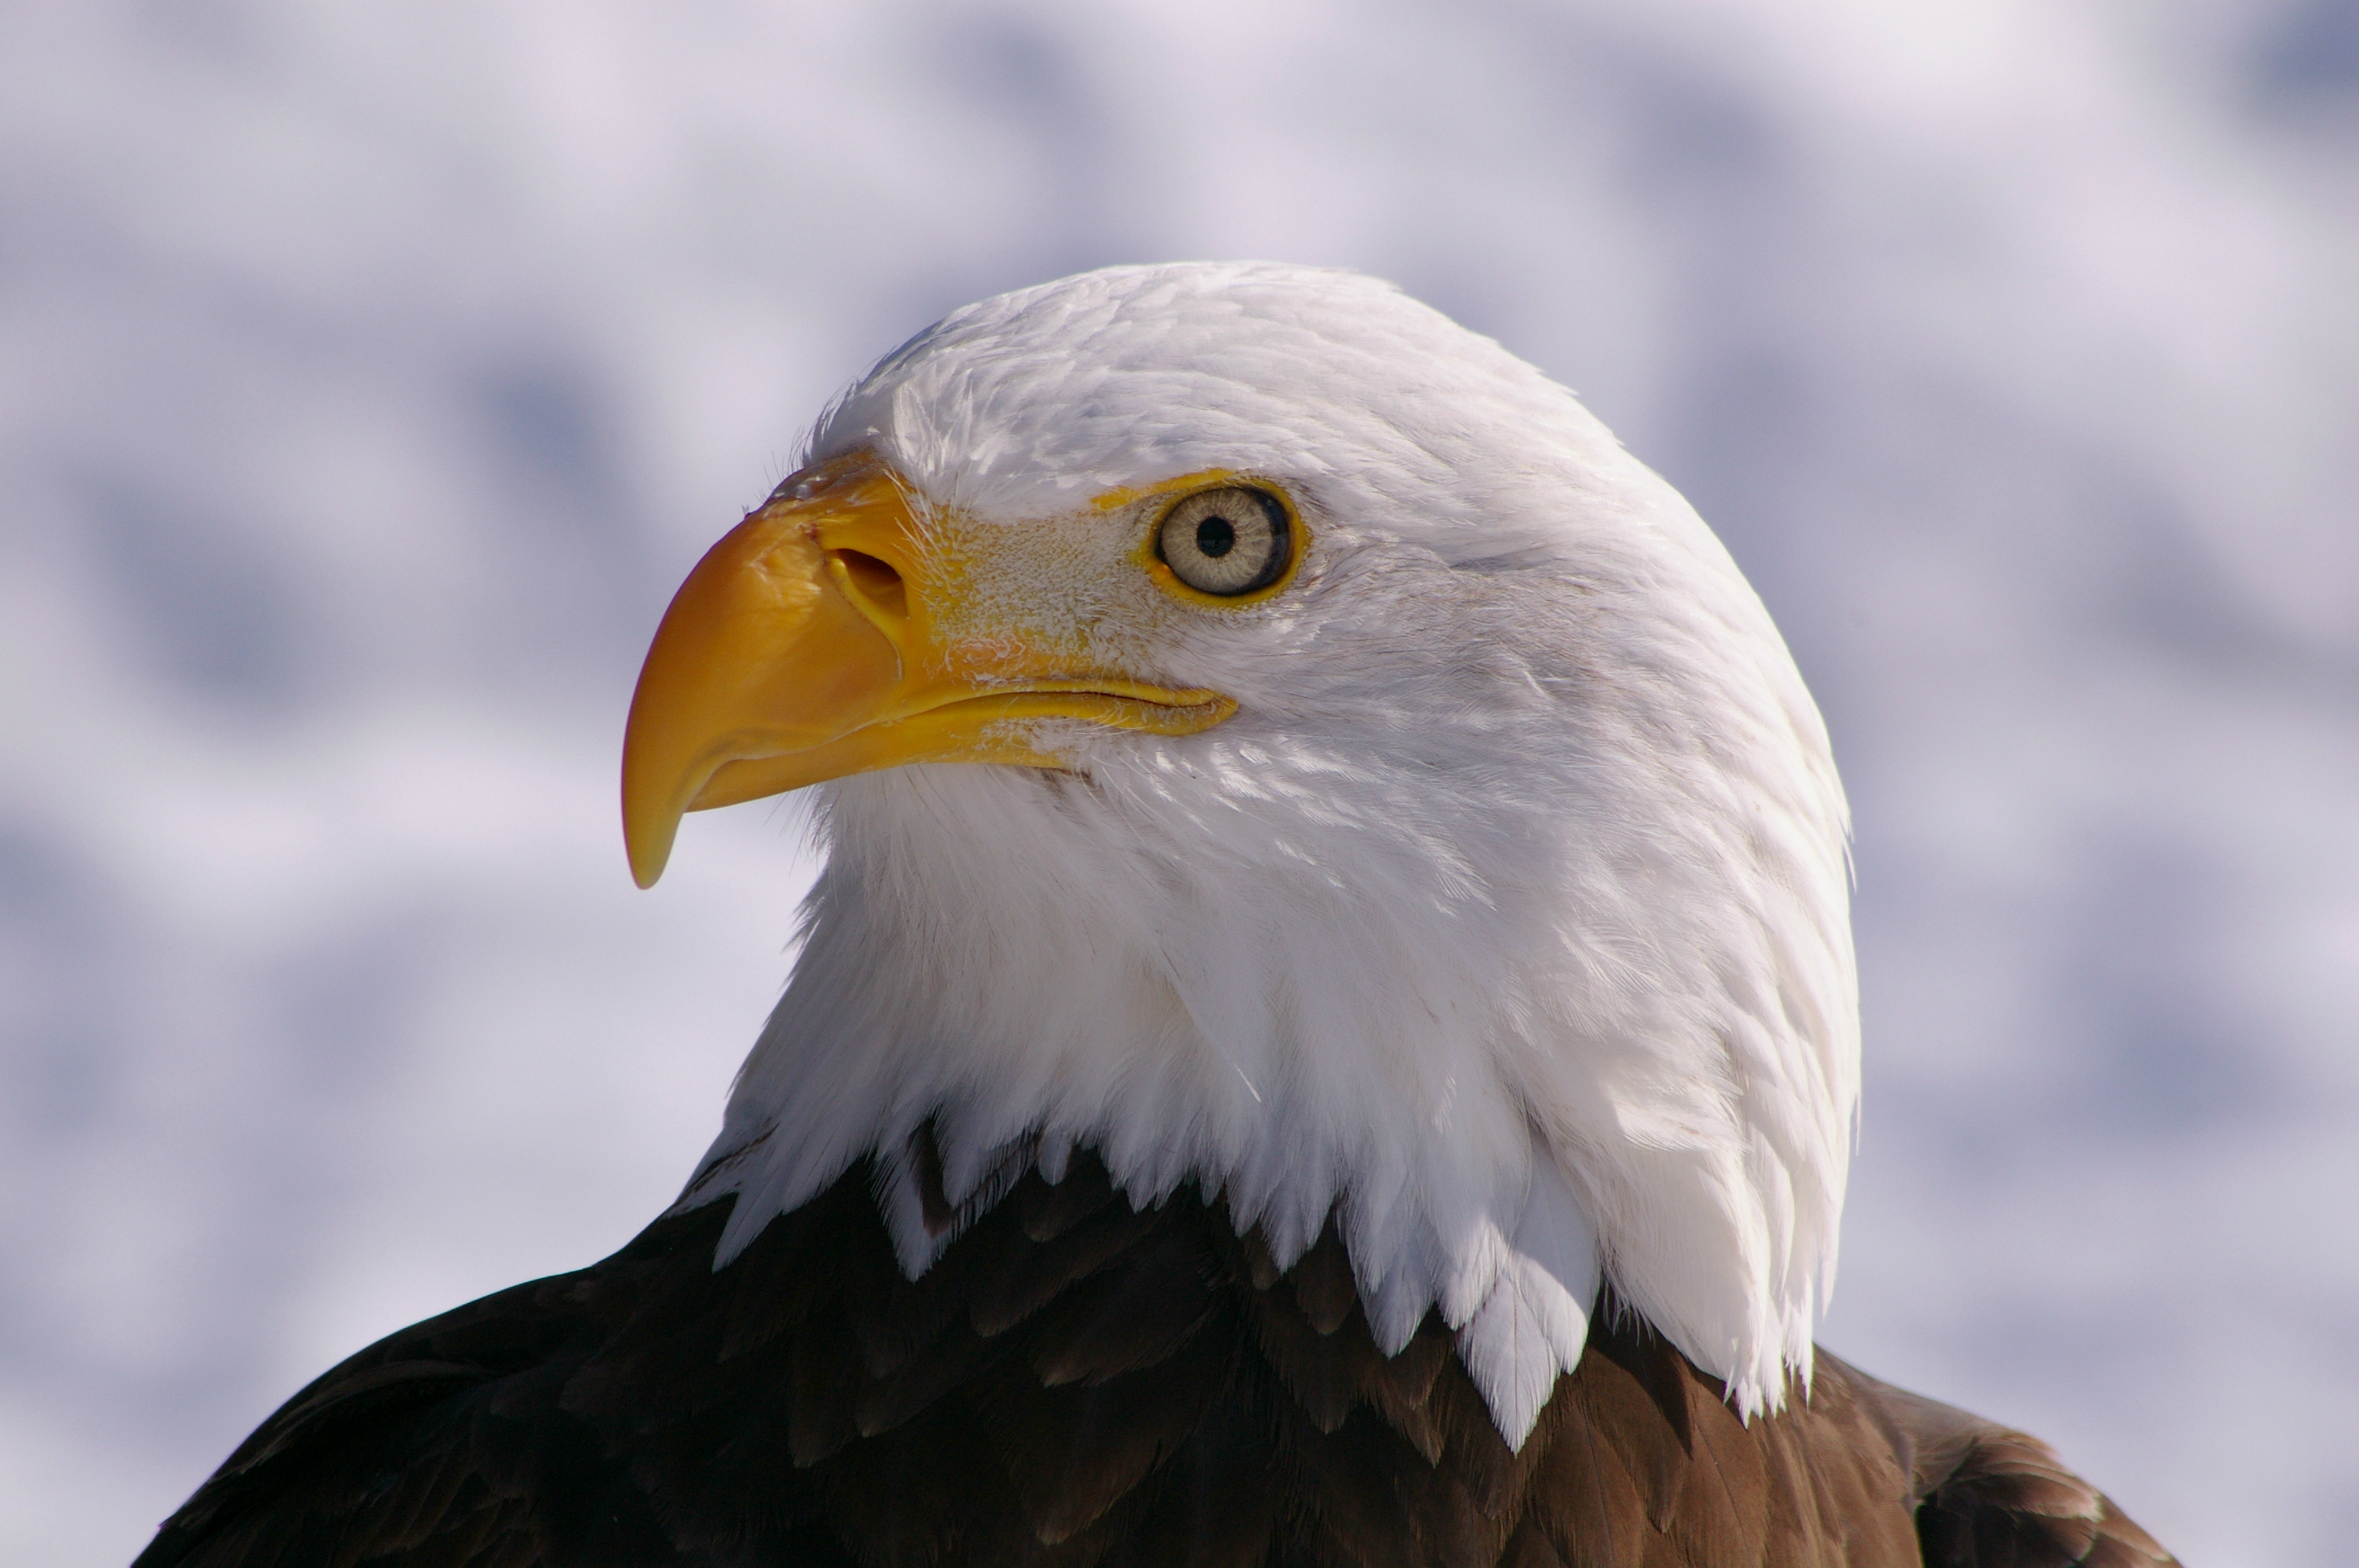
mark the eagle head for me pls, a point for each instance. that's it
(1275, 738)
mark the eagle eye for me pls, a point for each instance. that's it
(1228, 541)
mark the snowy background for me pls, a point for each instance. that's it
(371, 374)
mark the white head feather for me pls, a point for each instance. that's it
(1506, 919)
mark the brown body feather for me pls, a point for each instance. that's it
(1076, 1382)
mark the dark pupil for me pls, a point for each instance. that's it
(1216, 537)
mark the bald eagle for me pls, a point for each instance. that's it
(1327, 1034)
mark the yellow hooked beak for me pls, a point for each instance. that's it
(810, 643)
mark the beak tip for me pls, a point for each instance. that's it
(647, 845)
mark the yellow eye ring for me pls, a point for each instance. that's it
(1226, 544)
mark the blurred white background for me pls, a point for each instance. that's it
(371, 374)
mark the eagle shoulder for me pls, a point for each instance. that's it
(446, 1443)
(1077, 1380)
(1985, 1493)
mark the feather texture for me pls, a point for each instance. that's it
(1128, 1386)
(1505, 922)
(1405, 1123)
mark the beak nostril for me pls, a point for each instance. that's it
(874, 583)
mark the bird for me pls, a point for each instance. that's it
(1327, 1033)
